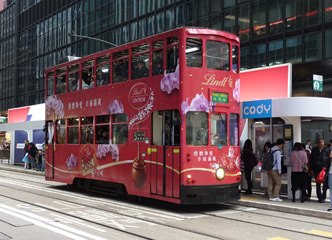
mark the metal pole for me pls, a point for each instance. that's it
(92, 38)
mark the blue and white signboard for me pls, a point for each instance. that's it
(257, 109)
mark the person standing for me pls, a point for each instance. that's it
(250, 161)
(318, 159)
(308, 146)
(298, 159)
(274, 175)
(328, 166)
(264, 179)
(308, 175)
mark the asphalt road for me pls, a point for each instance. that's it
(31, 208)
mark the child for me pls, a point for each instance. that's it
(26, 161)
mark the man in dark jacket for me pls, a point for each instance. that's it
(318, 159)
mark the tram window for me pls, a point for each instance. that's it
(157, 63)
(61, 131)
(103, 75)
(120, 129)
(158, 44)
(172, 40)
(140, 66)
(234, 129)
(197, 128)
(120, 71)
(50, 86)
(235, 59)
(172, 58)
(72, 130)
(102, 134)
(103, 59)
(218, 129)
(87, 78)
(102, 119)
(87, 130)
(194, 52)
(73, 81)
(166, 128)
(61, 84)
(217, 55)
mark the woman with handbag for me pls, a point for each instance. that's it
(299, 160)
(250, 161)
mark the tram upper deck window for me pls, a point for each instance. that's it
(235, 59)
(194, 52)
(197, 128)
(87, 75)
(158, 58)
(103, 70)
(218, 129)
(61, 80)
(172, 53)
(120, 66)
(73, 78)
(50, 83)
(217, 55)
(140, 66)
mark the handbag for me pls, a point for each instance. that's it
(304, 166)
(321, 176)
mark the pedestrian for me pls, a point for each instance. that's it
(264, 179)
(274, 175)
(298, 159)
(318, 158)
(308, 146)
(328, 166)
(308, 175)
(250, 161)
(43, 157)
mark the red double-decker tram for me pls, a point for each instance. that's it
(156, 118)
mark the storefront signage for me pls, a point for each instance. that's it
(317, 83)
(219, 97)
(257, 109)
(3, 119)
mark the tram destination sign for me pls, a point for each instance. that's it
(139, 136)
(218, 97)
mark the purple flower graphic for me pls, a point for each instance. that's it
(236, 91)
(115, 107)
(103, 149)
(56, 104)
(71, 162)
(199, 103)
(170, 81)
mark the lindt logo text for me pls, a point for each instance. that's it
(210, 79)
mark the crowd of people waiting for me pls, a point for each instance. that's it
(306, 163)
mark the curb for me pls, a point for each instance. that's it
(285, 209)
(21, 170)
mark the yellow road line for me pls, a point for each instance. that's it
(321, 233)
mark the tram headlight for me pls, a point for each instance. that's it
(220, 173)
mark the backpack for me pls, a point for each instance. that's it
(33, 149)
(267, 163)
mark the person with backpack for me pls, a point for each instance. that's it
(318, 159)
(250, 161)
(298, 159)
(274, 175)
(32, 150)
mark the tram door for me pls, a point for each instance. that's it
(165, 153)
(49, 150)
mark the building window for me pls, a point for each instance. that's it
(245, 58)
(294, 14)
(275, 52)
(276, 22)
(259, 20)
(170, 19)
(259, 55)
(328, 49)
(328, 10)
(294, 49)
(312, 13)
(229, 21)
(313, 46)
(244, 23)
(180, 16)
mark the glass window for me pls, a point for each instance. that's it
(157, 63)
(294, 14)
(172, 54)
(229, 21)
(328, 10)
(245, 58)
(328, 49)
(50, 84)
(61, 131)
(312, 13)
(197, 128)
(313, 46)
(103, 74)
(72, 130)
(170, 19)
(102, 129)
(139, 66)
(276, 52)
(275, 16)
(235, 58)
(244, 23)
(180, 17)
(87, 130)
(133, 31)
(142, 28)
(87, 78)
(194, 52)
(294, 49)
(259, 20)
(151, 25)
(218, 129)
(73, 81)
(234, 129)
(120, 129)
(217, 55)
(60, 84)
(160, 22)
(259, 55)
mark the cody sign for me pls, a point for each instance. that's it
(257, 109)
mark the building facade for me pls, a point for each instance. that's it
(34, 35)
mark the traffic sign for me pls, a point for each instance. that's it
(317, 83)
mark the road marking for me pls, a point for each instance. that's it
(279, 238)
(45, 223)
(321, 233)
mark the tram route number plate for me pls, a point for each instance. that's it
(139, 136)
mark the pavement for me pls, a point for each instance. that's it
(256, 200)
